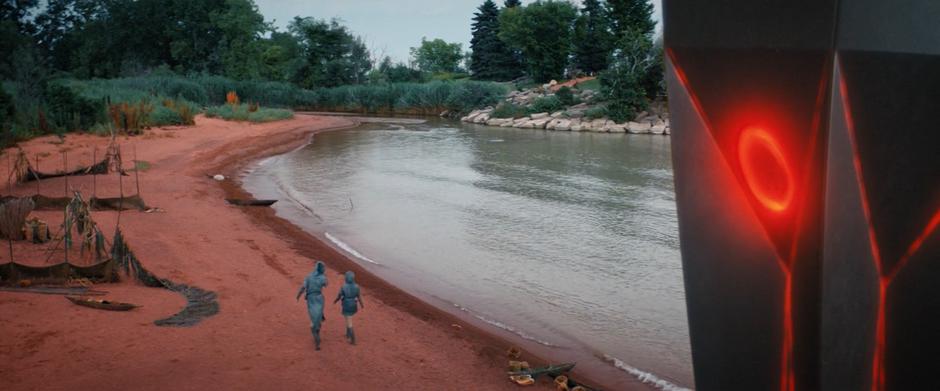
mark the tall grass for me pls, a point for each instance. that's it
(248, 112)
(430, 98)
(205, 90)
(133, 103)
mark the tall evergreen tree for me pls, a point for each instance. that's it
(592, 38)
(512, 3)
(631, 15)
(542, 31)
(491, 58)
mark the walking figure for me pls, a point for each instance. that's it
(313, 286)
(351, 301)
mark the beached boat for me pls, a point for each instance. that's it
(241, 202)
(101, 304)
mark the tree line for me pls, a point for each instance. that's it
(201, 40)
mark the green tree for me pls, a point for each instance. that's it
(592, 38)
(631, 15)
(491, 58)
(542, 31)
(15, 31)
(623, 83)
(437, 56)
(240, 47)
(512, 3)
(331, 55)
(280, 56)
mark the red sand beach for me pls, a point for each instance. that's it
(252, 259)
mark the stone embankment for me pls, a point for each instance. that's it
(573, 120)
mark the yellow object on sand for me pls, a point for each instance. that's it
(523, 380)
(561, 383)
(516, 366)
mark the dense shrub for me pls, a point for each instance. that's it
(595, 112)
(566, 97)
(405, 98)
(546, 104)
(508, 110)
(248, 112)
(69, 111)
(172, 112)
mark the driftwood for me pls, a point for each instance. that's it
(101, 304)
(249, 202)
(46, 290)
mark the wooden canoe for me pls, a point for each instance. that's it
(101, 304)
(241, 202)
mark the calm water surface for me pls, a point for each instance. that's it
(568, 240)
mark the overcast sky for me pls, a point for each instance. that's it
(391, 26)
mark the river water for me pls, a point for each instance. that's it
(566, 240)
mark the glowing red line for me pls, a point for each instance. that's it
(808, 161)
(877, 367)
(850, 125)
(915, 245)
(787, 381)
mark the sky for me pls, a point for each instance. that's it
(391, 27)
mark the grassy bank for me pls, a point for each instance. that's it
(248, 112)
(63, 105)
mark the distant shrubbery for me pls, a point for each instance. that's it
(509, 110)
(596, 112)
(248, 112)
(547, 104)
(430, 98)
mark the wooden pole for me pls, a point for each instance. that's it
(136, 169)
(94, 173)
(10, 177)
(121, 190)
(65, 164)
(37, 174)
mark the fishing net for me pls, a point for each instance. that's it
(200, 303)
(102, 272)
(126, 203)
(13, 213)
(22, 171)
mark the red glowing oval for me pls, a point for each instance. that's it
(773, 186)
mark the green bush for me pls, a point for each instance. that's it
(595, 112)
(243, 112)
(566, 97)
(508, 110)
(66, 110)
(163, 115)
(6, 109)
(546, 104)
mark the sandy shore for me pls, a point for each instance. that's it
(254, 260)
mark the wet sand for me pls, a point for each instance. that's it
(253, 259)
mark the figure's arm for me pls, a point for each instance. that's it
(303, 288)
(361, 304)
(338, 295)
